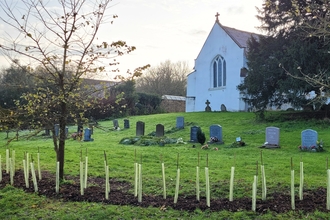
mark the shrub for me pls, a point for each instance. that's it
(200, 136)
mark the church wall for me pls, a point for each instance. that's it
(200, 82)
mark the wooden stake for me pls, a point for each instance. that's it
(135, 155)
(257, 169)
(105, 158)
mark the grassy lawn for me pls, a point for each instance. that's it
(121, 159)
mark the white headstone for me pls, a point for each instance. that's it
(273, 136)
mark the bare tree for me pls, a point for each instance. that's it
(165, 79)
(61, 39)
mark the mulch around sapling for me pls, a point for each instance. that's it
(120, 194)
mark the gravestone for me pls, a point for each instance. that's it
(88, 135)
(159, 130)
(216, 133)
(207, 108)
(272, 137)
(139, 128)
(308, 139)
(66, 132)
(180, 122)
(193, 133)
(47, 132)
(223, 108)
(115, 123)
(126, 123)
(80, 128)
(57, 129)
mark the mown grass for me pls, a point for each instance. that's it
(121, 159)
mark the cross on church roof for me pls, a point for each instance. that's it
(217, 16)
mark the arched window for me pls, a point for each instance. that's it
(219, 72)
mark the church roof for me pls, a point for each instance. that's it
(240, 37)
(174, 97)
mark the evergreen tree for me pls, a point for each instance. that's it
(285, 45)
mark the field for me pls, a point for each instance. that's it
(121, 159)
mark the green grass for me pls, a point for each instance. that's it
(121, 159)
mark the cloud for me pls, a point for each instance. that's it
(197, 32)
(236, 10)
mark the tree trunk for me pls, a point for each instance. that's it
(62, 137)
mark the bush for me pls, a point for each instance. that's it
(201, 136)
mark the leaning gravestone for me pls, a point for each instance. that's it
(272, 137)
(215, 134)
(159, 130)
(180, 122)
(139, 128)
(193, 134)
(115, 123)
(126, 123)
(308, 139)
(88, 135)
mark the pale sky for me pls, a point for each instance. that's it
(171, 29)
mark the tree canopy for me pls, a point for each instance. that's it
(58, 43)
(167, 78)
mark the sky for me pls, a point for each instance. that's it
(172, 30)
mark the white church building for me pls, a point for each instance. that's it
(220, 67)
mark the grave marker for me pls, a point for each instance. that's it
(272, 136)
(207, 108)
(88, 135)
(115, 123)
(57, 129)
(223, 108)
(139, 128)
(66, 132)
(47, 131)
(180, 122)
(193, 133)
(159, 130)
(308, 139)
(126, 123)
(216, 134)
(80, 128)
